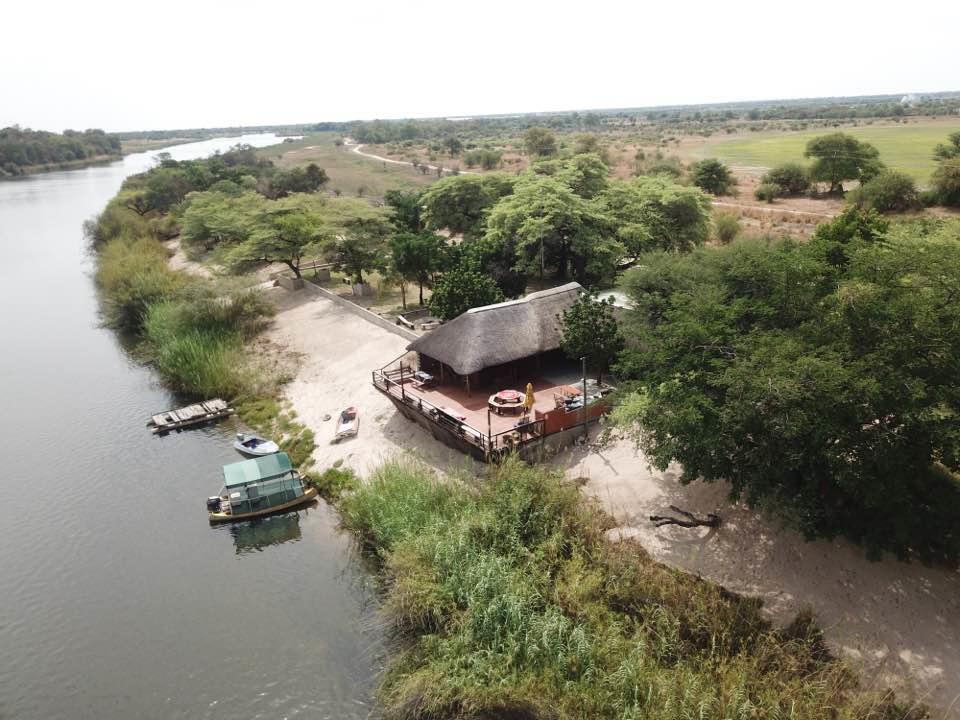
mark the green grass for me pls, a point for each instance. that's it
(347, 170)
(905, 147)
(509, 602)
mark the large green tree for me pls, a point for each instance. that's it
(540, 142)
(946, 182)
(358, 234)
(406, 210)
(460, 203)
(838, 157)
(461, 289)
(280, 234)
(713, 176)
(590, 330)
(417, 257)
(654, 212)
(820, 379)
(550, 226)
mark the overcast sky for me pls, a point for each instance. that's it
(176, 64)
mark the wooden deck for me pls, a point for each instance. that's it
(189, 416)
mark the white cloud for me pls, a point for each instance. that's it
(105, 63)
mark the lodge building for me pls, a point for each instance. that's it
(494, 379)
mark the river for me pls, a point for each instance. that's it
(117, 599)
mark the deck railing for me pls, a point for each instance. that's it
(504, 440)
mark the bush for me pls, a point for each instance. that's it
(513, 604)
(132, 275)
(334, 482)
(890, 191)
(726, 227)
(768, 192)
(791, 178)
(946, 182)
(713, 176)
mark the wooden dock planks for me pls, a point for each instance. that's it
(190, 415)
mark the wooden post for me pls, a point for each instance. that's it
(403, 393)
(583, 367)
(489, 430)
(468, 386)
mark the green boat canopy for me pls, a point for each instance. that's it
(261, 468)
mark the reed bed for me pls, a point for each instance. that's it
(509, 601)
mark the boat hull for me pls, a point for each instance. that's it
(309, 495)
(268, 447)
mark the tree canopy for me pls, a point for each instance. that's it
(713, 176)
(590, 330)
(281, 233)
(359, 234)
(540, 142)
(654, 212)
(838, 157)
(460, 203)
(461, 289)
(417, 256)
(819, 379)
(550, 226)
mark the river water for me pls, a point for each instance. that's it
(117, 599)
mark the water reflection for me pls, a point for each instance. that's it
(255, 535)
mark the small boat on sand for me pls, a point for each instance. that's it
(348, 424)
(255, 446)
(257, 487)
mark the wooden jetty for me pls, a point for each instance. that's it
(190, 415)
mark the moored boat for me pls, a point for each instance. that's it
(257, 487)
(348, 424)
(255, 446)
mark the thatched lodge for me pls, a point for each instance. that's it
(495, 379)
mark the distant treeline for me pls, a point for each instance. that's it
(23, 149)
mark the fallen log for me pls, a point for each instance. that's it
(692, 520)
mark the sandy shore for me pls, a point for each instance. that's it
(338, 351)
(901, 622)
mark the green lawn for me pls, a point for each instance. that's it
(349, 172)
(907, 147)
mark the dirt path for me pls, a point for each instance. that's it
(358, 149)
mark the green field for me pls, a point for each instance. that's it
(349, 173)
(907, 147)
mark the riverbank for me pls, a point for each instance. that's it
(897, 622)
(25, 170)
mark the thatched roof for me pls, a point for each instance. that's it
(496, 334)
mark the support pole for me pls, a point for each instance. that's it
(403, 393)
(489, 430)
(583, 369)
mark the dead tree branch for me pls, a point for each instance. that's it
(692, 520)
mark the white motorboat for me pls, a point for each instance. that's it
(255, 446)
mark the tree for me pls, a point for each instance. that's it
(791, 179)
(406, 210)
(166, 187)
(453, 145)
(839, 157)
(654, 212)
(540, 142)
(820, 391)
(890, 191)
(358, 234)
(281, 234)
(946, 182)
(549, 225)
(590, 330)
(950, 149)
(461, 289)
(460, 204)
(713, 176)
(727, 227)
(137, 201)
(416, 257)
